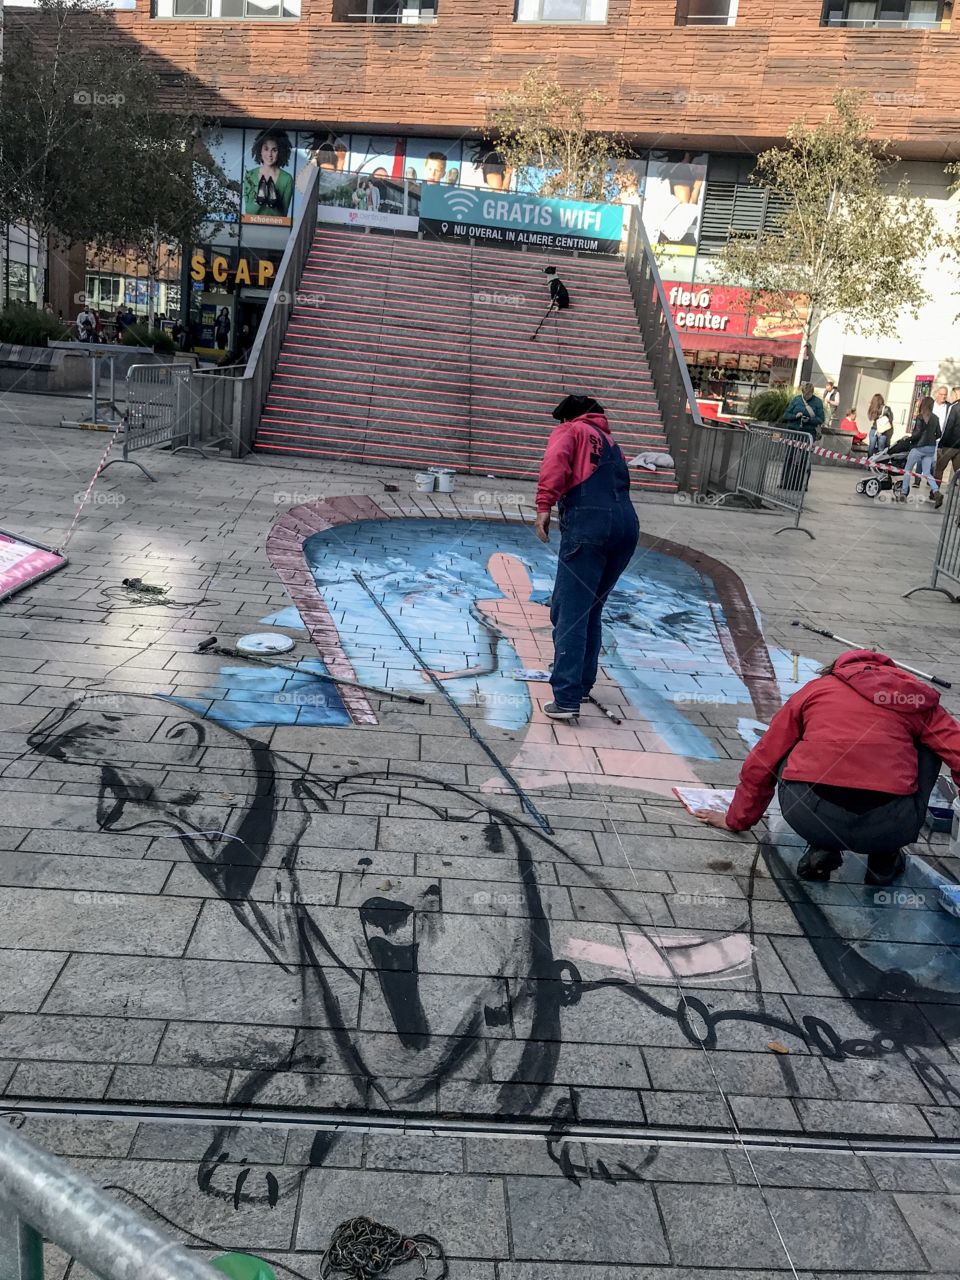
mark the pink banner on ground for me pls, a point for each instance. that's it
(22, 563)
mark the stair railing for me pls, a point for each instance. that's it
(43, 1198)
(687, 437)
(251, 388)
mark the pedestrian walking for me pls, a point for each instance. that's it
(941, 407)
(583, 473)
(831, 401)
(221, 328)
(948, 448)
(875, 411)
(854, 755)
(923, 450)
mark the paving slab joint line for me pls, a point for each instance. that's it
(505, 1130)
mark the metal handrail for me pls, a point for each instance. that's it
(683, 425)
(252, 386)
(43, 1198)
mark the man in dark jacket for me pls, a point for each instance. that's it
(585, 473)
(949, 450)
(923, 450)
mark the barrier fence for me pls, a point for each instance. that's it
(946, 562)
(159, 410)
(42, 1198)
(775, 470)
(682, 423)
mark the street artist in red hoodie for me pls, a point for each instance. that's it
(585, 473)
(856, 754)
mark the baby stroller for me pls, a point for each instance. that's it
(882, 481)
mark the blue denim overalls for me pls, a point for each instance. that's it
(599, 530)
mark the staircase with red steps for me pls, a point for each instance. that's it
(418, 353)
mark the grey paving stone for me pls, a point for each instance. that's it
(764, 1073)
(170, 1188)
(468, 1213)
(54, 1037)
(882, 1080)
(854, 1230)
(28, 869)
(168, 1084)
(821, 1169)
(306, 1146)
(517, 1155)
(905, 1174)
(26, 977)
(595, 1222)
(686, 1110)
(765, 1115)
(612, 1106)
(883, 1119)
(199, 990)
(193, 1044)
(935, 1222)
(95, 922)
(157, 1140)
(414, 1152)
(80, 1081)
(79, 1136)
(657, 1163)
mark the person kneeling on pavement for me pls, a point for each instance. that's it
(854, 756)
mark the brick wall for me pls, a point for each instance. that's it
(718, 88)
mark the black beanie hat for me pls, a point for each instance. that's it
(571, 407)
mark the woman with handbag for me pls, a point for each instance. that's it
(804, 413)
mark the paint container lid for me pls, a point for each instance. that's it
(264, 644)
(243, 1266)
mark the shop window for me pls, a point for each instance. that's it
(226, 9)
(396, 11)
(706, 13)
(737, 208)
(887, 14)
(561, 10)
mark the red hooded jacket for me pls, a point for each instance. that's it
(570, 457)
(856, 728)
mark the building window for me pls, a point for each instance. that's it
(706, 13)
(737, 208)
(226, 9)
(397, 11)
(916, 14)
(561, 10)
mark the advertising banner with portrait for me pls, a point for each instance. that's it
(515, 220)
(267, 197)
(673, 194)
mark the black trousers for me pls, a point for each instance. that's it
(883, 828)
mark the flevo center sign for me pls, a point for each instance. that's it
(509, 219)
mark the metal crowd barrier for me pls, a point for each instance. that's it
(946, 562)
(158, 409)
(775, 472)
(42, 1198)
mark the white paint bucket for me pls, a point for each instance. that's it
(446, 480)
(425, 481)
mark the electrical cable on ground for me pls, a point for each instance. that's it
(363, 1249)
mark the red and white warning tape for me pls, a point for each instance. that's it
(93, 480)
(809, 446)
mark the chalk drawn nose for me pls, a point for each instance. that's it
(386, 914)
